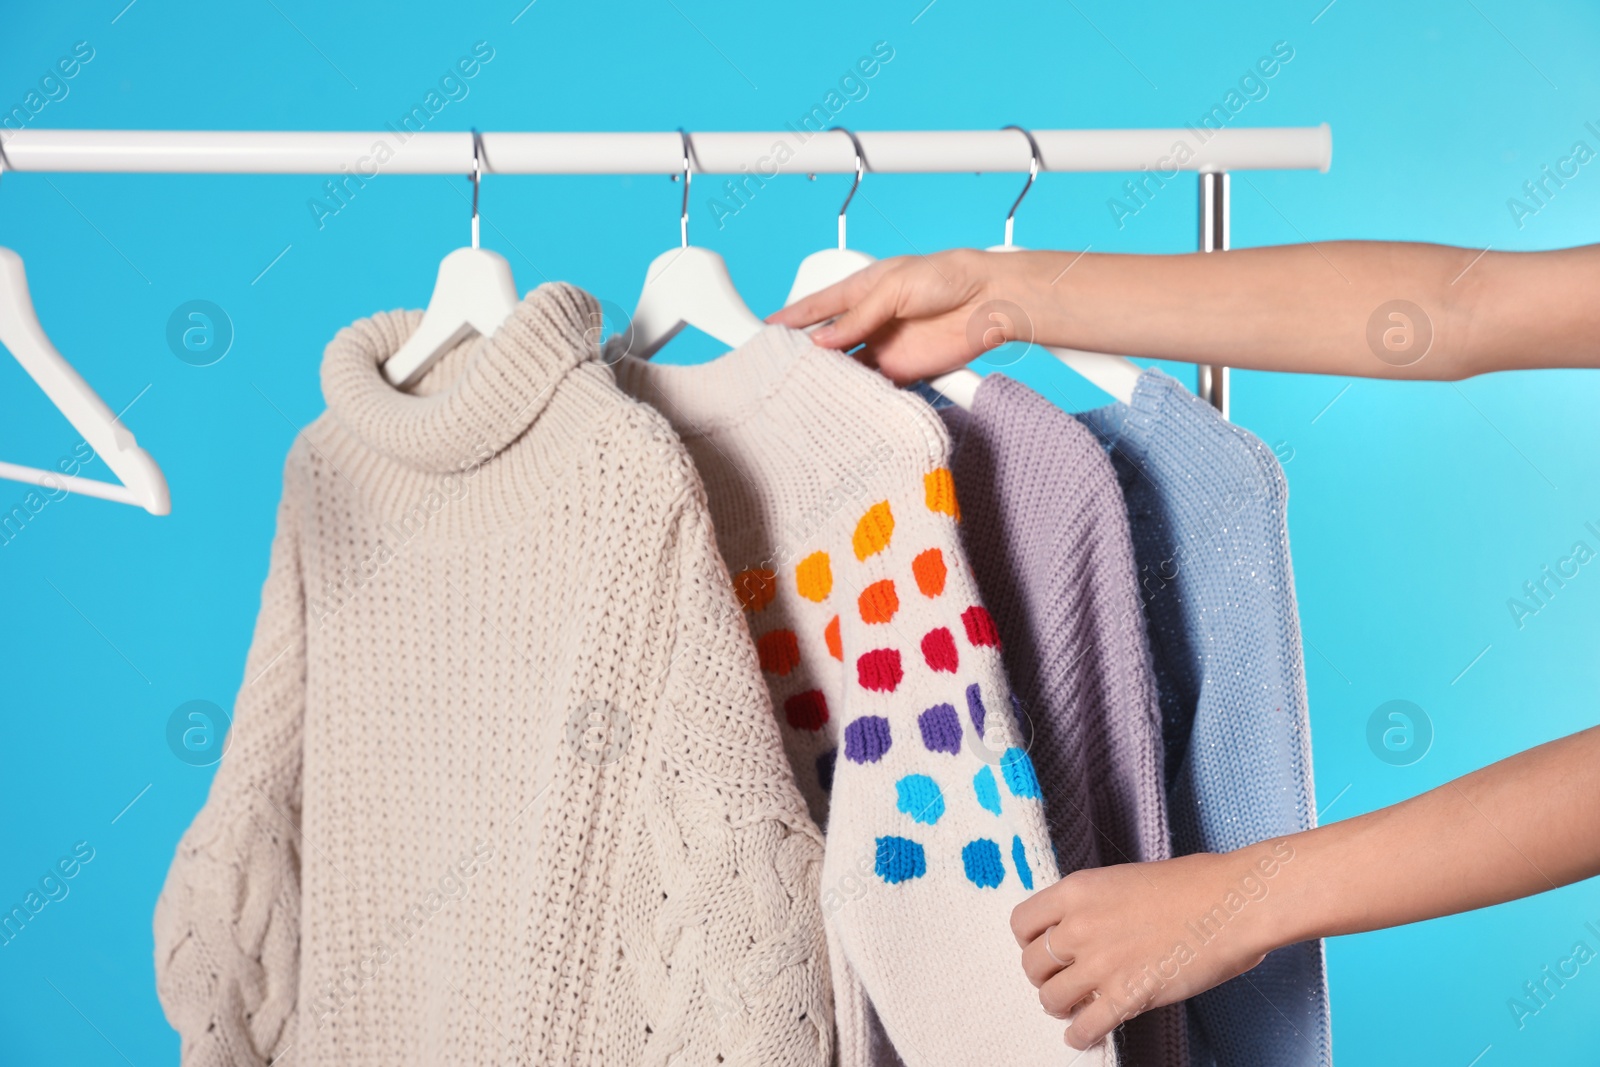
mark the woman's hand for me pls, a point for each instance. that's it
(1140, 935)
(921, 316)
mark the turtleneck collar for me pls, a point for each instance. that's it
(482, 394)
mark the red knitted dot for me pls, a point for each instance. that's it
(779, 652)
(879, 670)
(939, 649)
(980, 627)
(831, 635)
(806, 711)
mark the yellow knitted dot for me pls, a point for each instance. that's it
(941, 492)
(813, 577)
(874, 530)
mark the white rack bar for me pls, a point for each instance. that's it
(793, 150)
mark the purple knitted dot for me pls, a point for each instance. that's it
(941, 729)
(975, 708)
(866, 739)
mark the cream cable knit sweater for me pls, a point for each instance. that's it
(835, 509)
(504, 783)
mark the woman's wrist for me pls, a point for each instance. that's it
(1044, 285)
(1268, 887)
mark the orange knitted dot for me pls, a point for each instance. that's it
(878, 602)
(930, 571)
(874, 530)
(813, 577)
(779, 652)
(941, 492)
(755, 588)
(831, 635)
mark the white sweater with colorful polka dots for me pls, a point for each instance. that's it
(836, 513)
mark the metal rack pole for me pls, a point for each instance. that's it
(1211, 379)
(753, 156)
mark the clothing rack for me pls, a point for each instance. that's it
(1157, 155)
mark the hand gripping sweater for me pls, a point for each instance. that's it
(1047, 532)
(503, 783)
(1207, 507)
(835, 509)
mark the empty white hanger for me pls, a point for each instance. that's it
(474, 293)
(685, 286)
(143, 484)
(822, 269)
(1117, 375)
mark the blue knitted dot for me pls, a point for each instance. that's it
(1019, 859)
(920, 798)
(941, 729)
(988, 792)
(866, 739)
(981, 858)
(825, 763)
(1018, 769)
(975, 708)
(900, 859)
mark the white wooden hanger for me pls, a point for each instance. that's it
(474, 293)
(685, 286)
(143, 484)
(1117, 375)
(831, 265)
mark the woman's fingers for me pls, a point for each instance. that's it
(1030, 918)
(834, 300)
(865, 316)
(1065, 991)
(1041, 959)
(1095, 1020)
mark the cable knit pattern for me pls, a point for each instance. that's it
(1207, 507)
(1047, 531)
(504, 783)
(836, 511)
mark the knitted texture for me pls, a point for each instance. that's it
(503, 783)
(1047, 532)
(835, 508)
(1207, 507)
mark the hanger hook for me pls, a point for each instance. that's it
(1033, 172)
(861, 166)
(477, 180)
(688, 172)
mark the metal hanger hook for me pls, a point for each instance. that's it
(477, 180)
(861, 166)
(688, 172)
(1033, 172)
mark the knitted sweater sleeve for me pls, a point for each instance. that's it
(227, 922)
(936, 829)
(732, 960)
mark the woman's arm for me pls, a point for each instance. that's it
(1146, 934)
(1324, 309)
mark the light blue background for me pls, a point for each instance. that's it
(1416, 510)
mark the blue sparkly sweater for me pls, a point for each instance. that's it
(1207, 509)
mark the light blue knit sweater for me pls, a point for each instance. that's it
(1207, 510)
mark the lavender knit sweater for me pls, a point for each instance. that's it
(1047, 534)
(1207, 508)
